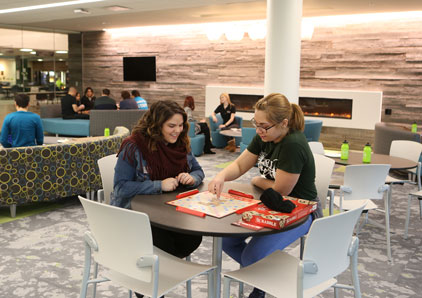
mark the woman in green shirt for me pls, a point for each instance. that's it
(286, 165)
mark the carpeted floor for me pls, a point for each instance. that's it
(42, 254)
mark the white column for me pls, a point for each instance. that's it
(282, 52)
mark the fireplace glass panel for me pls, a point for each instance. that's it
(326, 107)
(244, 102)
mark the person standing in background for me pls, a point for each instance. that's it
(88, 99)
(142, 103)
(22, 128)
(127, 102)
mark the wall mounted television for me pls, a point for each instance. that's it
(139, 69)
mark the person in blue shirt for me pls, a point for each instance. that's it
(142, 103)
(22, 128)
(156, 158)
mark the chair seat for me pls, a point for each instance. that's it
(417, 193)
(168, 279)
(352, 204)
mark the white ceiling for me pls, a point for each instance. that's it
(162, 12)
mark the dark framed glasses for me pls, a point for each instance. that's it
(260, 127)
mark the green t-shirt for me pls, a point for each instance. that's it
(293, 155)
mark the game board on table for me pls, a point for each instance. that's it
(208, 203)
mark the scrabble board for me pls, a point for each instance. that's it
(208, 203)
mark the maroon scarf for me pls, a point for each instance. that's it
(165, 162)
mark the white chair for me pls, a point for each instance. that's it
(410, 150)
(106, 166)
(323, 171)
(120, 240)
(362, 184)
(316, 147)
(329, 250)
(417, 195)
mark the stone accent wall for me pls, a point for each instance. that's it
(378, 56)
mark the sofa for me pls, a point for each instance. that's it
(49, 172)
(218, 140)
(52, 122)
(386, 133)
(99, 120)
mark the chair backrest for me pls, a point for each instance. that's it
(365, 181)
(323, 171)
(327, 245)
(106, 166)
(312, 129)
(191, 132)
(248, 133)
(406, 149)
(122, 236)
(316, 147)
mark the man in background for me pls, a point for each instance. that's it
(105, 102)
(22, 128)
(70, 109)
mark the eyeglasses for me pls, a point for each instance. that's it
(260, 127)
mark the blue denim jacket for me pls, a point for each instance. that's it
(131, 180)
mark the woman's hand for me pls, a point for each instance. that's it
(185, 178)
(221, 126)
(169, 184)
(214, 119)
(216, 185)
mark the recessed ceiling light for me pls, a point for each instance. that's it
(33, 53)
(39, 60)
(117, 8)
(58, 4)
(25, 50)
(81, 10)
(61, 52)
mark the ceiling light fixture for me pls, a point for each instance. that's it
(33, 53)
(26, 50)
(81, 10)
(58, 4)
(117, 8)
(61, 52)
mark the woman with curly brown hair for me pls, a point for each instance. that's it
(156, 158)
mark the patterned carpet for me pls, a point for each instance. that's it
(42, 255)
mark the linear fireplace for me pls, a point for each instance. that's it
(356, 109)
(326, 107)
(311, 106)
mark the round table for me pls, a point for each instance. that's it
(165, 216)
(232, 132)
(397, 163)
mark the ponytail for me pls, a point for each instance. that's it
(297, 120)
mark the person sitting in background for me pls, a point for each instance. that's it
(105, 102)
(200, 127)
(156, 158)
(142, 103)
(127, 102)
(78, 99)
(88, 99)
(22, 128)
(227, 111)
(70, 108)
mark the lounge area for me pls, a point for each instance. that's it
(352, 69)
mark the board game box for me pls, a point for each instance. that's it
(207, 203)
(260, 216)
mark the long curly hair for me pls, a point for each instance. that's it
(151, 124)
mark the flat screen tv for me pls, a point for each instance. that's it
(139, 69)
